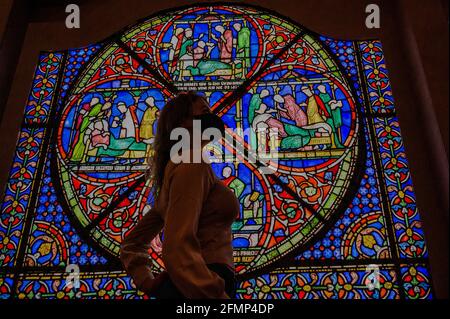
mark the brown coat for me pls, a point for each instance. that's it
(195, 210)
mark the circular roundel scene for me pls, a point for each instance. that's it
(258, 71)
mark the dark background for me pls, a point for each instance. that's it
(414, 35)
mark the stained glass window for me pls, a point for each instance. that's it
(76, 183)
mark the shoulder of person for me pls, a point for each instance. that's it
(189, 176)
(193, 169)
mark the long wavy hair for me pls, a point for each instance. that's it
(173, 114)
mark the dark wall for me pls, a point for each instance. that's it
(415, 40)
(13, 24)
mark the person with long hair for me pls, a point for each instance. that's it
(194, 209)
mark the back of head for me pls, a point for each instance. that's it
(173, 114)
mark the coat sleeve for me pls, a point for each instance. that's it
(134, 248)
(189, 186)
